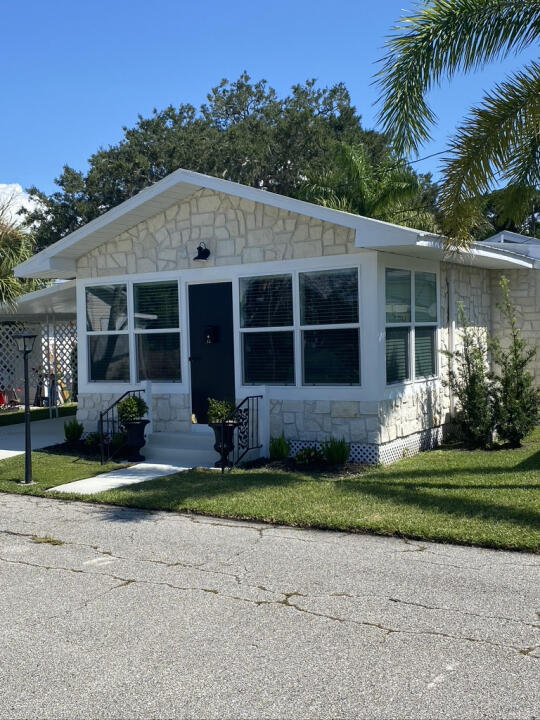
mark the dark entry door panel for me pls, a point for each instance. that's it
(211, 343)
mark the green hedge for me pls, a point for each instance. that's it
(17, 416)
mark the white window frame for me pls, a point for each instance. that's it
(298, 329)
(413, 268)
(365, 261)
(156, 331)
(101, 333)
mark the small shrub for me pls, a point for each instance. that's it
(279, 448)
(131, 409)
(470, 380)
(309, 457)
(335, 452)
(73, 430)
(517, 401)
(220, 410)
(118, 440)
(91, 441)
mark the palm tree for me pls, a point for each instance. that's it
(15, 247)
(499, 142)
(388, 192)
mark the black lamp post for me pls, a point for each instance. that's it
(25, 345)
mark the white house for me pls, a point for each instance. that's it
(336, 320)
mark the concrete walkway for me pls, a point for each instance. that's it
(118, 478)
(44, 433)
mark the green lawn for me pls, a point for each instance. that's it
(490, 499)
(48, 471)
(15, 417)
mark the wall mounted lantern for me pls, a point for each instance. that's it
(203, 253)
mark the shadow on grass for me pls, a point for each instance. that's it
(417, 495)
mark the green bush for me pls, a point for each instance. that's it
(517, 401)
(91, 441)
(73, 430)
(220, 410)
(118, 440)
(131, 409)
(279, 448)
(309, 457)
(470, 381)
(335, 452)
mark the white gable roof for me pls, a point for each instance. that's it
(59, 260)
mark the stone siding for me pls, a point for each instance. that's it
(524, 286)
(235, 231)
(170, 413)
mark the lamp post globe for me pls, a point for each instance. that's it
(25, 345)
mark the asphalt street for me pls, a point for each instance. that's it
(161, 615)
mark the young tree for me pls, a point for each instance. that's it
(15, 247)
(517, 400)
(500, 139)
(469, 380)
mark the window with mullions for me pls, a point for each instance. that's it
(266, 319)
(330, 327)
(411, 325)
(107, 328)
(157, 331)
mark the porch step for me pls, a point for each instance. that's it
(181, 449)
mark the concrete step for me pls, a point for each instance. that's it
(179, 440)
(180, 457)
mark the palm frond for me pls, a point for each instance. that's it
(500, 140)
(440, 39)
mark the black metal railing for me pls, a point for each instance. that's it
(246, 415)
(109, 428)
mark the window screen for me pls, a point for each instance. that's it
(266, 301)
(329, 297)
(156, 305)
(397, 354)
(425, 297)
(331, 357)
(108, 358)
(424, 351)
(158, 357)
(268, 358)
(398, 296)
(106, 308)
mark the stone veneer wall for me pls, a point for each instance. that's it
(524, 286)
(170, 413)
(235, 231)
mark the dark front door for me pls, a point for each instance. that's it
(211, 345)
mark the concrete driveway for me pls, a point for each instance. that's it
(159, 615)
(44, 433)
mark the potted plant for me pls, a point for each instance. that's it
(222, 421)
(130, 414)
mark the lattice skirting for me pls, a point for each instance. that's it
(387, 453)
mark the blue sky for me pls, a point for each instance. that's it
(76, 72)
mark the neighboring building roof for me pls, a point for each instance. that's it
(57, 300)
(59, 260)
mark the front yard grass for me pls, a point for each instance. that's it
(49, 470)
(16, 416)
(491, 499)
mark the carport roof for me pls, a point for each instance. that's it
(57, 300)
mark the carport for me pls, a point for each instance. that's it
(50, 314)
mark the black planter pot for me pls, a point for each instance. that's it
(224, 434)
(135, 438)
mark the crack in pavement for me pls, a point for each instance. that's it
(284, 602)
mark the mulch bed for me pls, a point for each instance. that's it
(349, 469)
